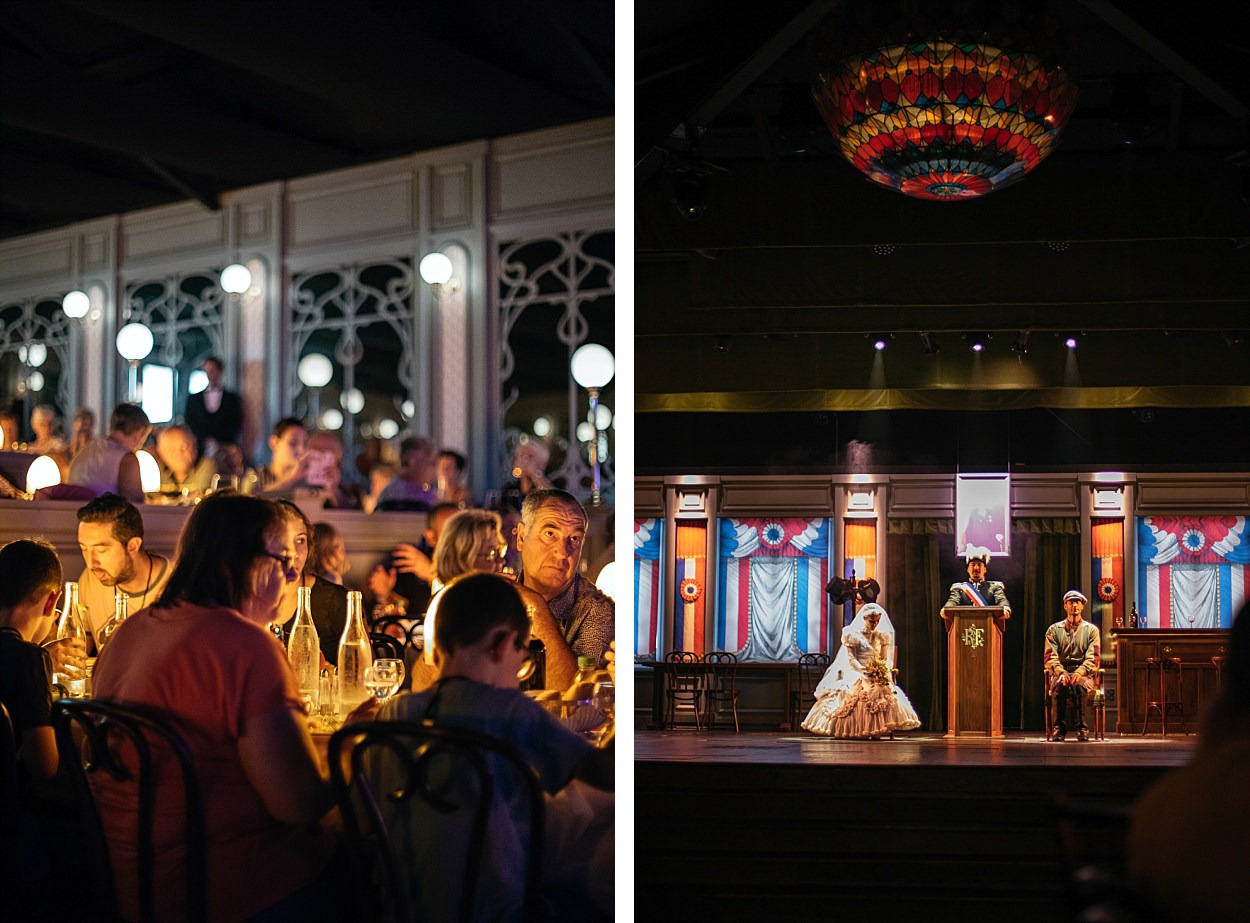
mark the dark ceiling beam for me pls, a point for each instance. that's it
(750, 70)
(421, 76)
(62, 104)
(206, 195)
(1132, 30)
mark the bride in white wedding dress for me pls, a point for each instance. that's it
(857, 697)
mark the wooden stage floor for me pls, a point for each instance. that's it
(913, 748)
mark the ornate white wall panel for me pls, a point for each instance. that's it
(32, 260)
(376, 201)
(541, 171)
(183, 230)
(452, 205)
(922, 498)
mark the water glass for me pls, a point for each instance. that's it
(383, 678)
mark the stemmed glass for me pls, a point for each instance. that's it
(383, 677)
(603, 698)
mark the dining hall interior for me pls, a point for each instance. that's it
(387, 230)
(853, 310)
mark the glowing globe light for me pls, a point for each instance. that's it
(34, 355)
(315, 370)
(76, 304)
(353, 400)
(197, 381)
(149, 472)
(43, 472)
(388, 429)
(332, 419)
(135, 342)
(34, 381)
(603, 417)
(236, 279)
(542, 427)
(608, 579)
(592, 365)
(408, 409)
(585, 431)
(436, 268)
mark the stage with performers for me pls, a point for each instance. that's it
(792, 826)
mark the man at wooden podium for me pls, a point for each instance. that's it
(976, 590)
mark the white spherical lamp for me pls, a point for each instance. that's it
(607, 580)
(134, 342)
(353, 400)
(388, 429)
(236, 279)
(149, 472)
(592, 366)
(315, 370)
(34, 355)
(43, 472)
(436, 268)
(76, 304)
(34, 381)
(332, 419)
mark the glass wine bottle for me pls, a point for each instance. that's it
(72, 625)
(303, 648)
(121, 606)
(355, 655)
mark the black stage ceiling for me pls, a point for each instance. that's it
(108, 107)
(1135, 233)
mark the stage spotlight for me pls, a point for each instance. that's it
(880, 340)
(1021, 344)
(976, 341)
(724, 342)
(1072, 341)
(1232, 337)
(930, 343)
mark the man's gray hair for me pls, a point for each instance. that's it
(535, 499)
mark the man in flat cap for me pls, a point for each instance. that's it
(976, 590)
(1073, 654)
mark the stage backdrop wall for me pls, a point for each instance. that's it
(1044, 564)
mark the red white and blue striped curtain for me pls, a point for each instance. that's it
(648, 548)
(690, 571)
(1192, 570)
(859, 558)
(1107, 564)
(772, 574)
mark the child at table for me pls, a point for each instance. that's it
(30, 581)
(482, 645)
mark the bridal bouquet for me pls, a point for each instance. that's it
(878, 672)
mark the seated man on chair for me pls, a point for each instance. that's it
(1073, 654)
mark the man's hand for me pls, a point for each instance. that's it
(411, 560)
(68, 653)
(382, 583)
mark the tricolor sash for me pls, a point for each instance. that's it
(973, 594)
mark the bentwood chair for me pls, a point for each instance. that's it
(722, 686)
(385, 646)
(416, 800)
(131, 745)
(811, 670)
(1095, 703)
(397, 626)
(684, 687)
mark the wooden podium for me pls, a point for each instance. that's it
(974, 670)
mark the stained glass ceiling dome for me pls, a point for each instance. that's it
(965, 99)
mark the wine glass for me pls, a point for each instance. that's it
(383, 677)
(603, 698)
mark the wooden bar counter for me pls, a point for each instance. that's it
(1194, 647)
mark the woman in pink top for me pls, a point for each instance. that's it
(201, 653)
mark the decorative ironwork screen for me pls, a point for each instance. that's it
(26, 323)
(556, 292)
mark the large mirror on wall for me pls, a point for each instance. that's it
(34, 360)
(982, 515)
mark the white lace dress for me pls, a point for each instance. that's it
(850, 705)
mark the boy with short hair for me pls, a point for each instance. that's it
(482, 645)
(30, 581)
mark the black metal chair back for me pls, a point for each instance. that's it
(385, 646)
(812, 668)
(685, 686)
(722, 688)
(126, 743)
(397, 626)
(381, 768)
(8, 765)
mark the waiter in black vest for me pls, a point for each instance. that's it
(215, 415)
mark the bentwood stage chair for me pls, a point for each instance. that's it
(722, 685)
(386, 646)
(811, 670)
(1095, 706)
(417, 800)
(684, 687)
(131, 745)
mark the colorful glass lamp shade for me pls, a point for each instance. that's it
(945, 120)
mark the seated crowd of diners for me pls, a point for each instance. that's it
(199, 646)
